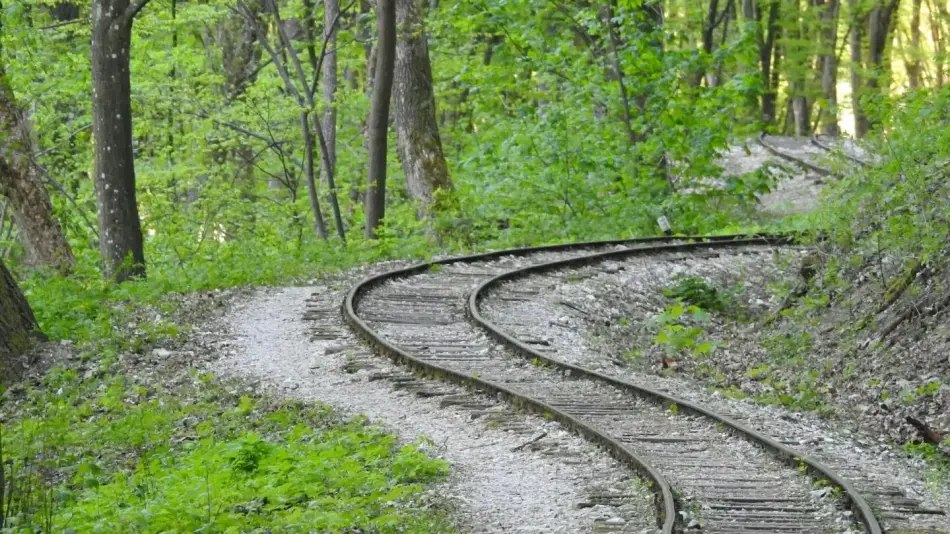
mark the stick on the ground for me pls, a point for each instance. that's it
(533, 440)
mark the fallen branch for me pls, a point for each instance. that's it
(533, 440)
(928, 434)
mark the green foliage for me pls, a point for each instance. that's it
(679, 331)
(695, 290)
(121, 456)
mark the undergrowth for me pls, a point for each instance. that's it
(132, 454)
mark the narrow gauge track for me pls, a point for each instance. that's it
(423, 316)
(808, 166)
(818, 142)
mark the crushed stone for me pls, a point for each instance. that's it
(494, 485)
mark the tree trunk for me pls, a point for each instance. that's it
(417, 132)
(21, 183)
(331, 10)
(17, 324)
(120, 230)
(914, 67)
(938, 13)
(861, 125)
(607, 20)
(318, 225)
(379, 115)
(829, 68)
(767, 52)
(880, 23)
(797, 56)
(713, 20)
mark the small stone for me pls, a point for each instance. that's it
(615, 521)
(161, 353)
(333, 349)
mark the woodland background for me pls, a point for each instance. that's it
(158, 150)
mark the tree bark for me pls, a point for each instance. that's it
(17, 324)
(612, 41)
(767, 52)
(319, 226)
(379, 115)
(880, 23)
(331, 10)
(21, 182)
(120, 230)
(829, 68)
(914, 67)
(798, 57)
(861, 125)
(417, 131)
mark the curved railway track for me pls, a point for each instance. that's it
(804, 164)
(700, 464)
(818, 142)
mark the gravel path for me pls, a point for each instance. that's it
(555, 485)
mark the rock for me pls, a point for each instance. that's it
(615, 521)
(161, 353)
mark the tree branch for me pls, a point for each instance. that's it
(133, 10)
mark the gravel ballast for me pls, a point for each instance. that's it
(497, 483)
(604, 318)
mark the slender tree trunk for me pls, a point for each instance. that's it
(708, 41)
(829, 68)
(319, 226)
(861, 125)
(17, 324)
(379, 115)
(417, 132)
(331, 10)
(880, 24)
(607, 19)
(21, 183)
(120, 230)
(938, 13)
(914, 66)
(798, 57)
(770, 69)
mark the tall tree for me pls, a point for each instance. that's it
(797, 56)
(880, 25)
(417, 132)
(21, 182)
(331, 11)
(829, 67)
(613, 44)
(858, 19)
(120, 230)
(768, 59)
(17, 324)
(379, 114)
(914, 65)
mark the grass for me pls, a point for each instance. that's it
(104, 444)
(131, 455)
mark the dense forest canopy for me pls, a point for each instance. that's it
(547, 120)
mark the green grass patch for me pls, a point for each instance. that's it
(125, 456)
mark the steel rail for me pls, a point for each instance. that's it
(858, 503)
(827, 148)
(796, 160)
(665, 502)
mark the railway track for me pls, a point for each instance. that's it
(707, 470)
(838, 151)
(780, 147)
